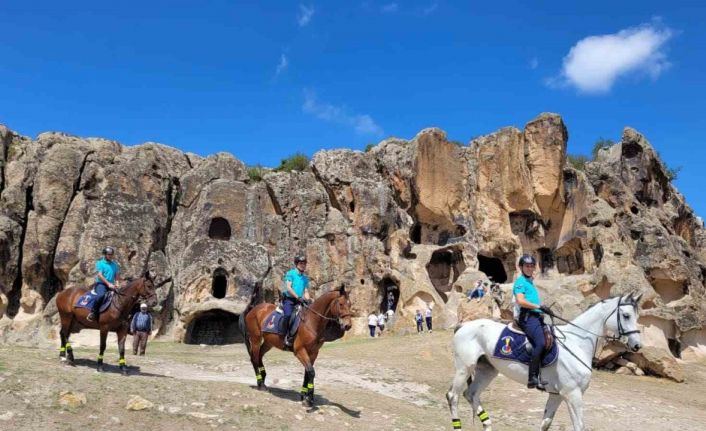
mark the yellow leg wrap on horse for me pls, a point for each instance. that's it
(456, 423)
(259, 377)
(310, 385)
(121, 361)
(304, 390)
(68, 345)
(100, 357)
(62, 349)
(261, 369)
(483, 416)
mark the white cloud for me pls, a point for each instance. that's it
(534, 63)
(363, 124)
(390, 8)
(596, 62)
(430, 9)
(305, 14)
(282, 65)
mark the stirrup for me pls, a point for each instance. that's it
(91, 317)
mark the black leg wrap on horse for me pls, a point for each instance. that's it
(483, 416)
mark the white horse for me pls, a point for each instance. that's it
(569, 376)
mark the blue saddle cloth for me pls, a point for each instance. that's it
(275, 323)
(514, 346)
(89, 298)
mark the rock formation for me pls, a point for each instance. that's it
(422, 218)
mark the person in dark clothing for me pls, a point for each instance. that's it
(141, 328)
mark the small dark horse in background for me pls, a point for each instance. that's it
(325, 320)
(113, 319)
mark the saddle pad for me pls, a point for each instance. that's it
(87, 299)
(275, 324)
(511, 347)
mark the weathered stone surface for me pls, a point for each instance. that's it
(423, 218)
(72, 399)
(658, 362)
(137, 403)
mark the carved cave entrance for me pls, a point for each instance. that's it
(219, 229)
(492, 267)
(214, 327)
(219, 283)
(385, 287)
(444, 268)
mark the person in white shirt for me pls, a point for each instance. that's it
(428, 318)
(372, 323)
(381, 323)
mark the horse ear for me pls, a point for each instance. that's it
(638, 298)
(628, 297)
(149, 275)
(342, 290)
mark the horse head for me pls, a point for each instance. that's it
(623, 320)
(146, 288)
(340, 309)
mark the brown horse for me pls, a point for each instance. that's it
(114, 319)
(326, 319)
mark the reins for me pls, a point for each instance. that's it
(621, 333)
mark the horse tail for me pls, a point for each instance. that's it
(254, 299)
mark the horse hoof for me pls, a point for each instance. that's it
(63, 359)
(307, 403)
(100, 369)
(262, 388)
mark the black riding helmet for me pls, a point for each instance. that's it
(108, 250)
(527, 259)
(299, 259)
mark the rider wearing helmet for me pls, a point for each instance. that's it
(530, 316)
(296, 288)
(107, 277)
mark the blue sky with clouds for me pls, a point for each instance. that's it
(263, 80)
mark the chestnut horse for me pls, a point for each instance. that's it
(114, 319)
(326, 319)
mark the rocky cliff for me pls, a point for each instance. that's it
(422, 218)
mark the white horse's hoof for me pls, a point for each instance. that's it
(63, 359)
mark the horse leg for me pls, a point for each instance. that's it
(550, 410)
(104, 335)
(460, 380)
(261, 366)
(67, 345)
(484, 374)
(309, 374)
(122, 336)
(574, 400)
(62, 346)
(255, 347)
(310, 379)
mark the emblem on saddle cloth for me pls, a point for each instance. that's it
(513, 346)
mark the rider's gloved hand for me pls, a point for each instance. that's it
(546, 310)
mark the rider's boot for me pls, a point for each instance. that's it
(534, 380)
(95, 313)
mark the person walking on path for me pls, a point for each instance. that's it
(372, 323)
(141, 328)
(428, 318)
(381, 323)
(418, 318)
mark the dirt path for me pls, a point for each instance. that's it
(386, 383)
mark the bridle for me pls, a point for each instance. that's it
(621, 330)
(329, 311)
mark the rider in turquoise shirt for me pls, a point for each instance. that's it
(107, 277)
(530, 317)
(295, 290)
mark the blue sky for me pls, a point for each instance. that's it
(263, 81)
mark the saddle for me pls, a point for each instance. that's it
(512, 345)
(275, 323)
(514, 326)
(89, 298)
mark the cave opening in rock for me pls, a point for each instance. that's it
(214, 327)
(219, 229)
(492, 267)
(674, 347)
(219, 284)
(444, 268)
(389, 294)
(415, 233)
(546, 259)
